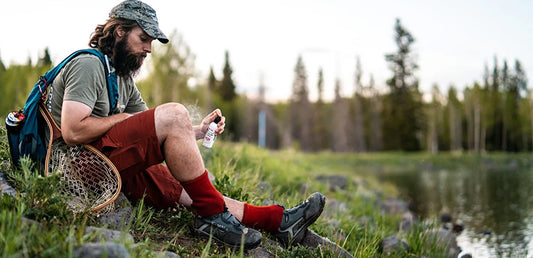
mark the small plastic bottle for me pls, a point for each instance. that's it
(210, 136)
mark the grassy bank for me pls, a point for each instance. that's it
(243, 172)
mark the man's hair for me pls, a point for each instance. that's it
(104, 35)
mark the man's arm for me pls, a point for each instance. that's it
(78, 127)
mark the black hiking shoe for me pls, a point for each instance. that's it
(226, 229)
(296, 220)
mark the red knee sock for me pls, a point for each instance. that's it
(206, 200)
(267, 218)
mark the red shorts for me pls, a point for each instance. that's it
(133, 147)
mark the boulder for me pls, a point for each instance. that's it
(97, 250)
(393, 246)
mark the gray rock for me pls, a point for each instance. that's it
(367, 222)
(334, 207)
(313, 240)
(103, 234)
(120, 216)
(165, 254)
(260, 252)
(445, 239)
(334, 182)
(6, 187)
(407, 222)
(393, 206)
(97, 250)
(393, 246)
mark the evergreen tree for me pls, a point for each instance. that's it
(319, 126)
(212, 83)
(359, 143)
(375, 131)
(300, 107)
(45, 60)
(227, 87)
(340, 117)
(455, 120)
(403, 115)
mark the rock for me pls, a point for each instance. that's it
(393, 246)
(367, 221)
(393, 206)
(165, 254)
(120, 216)
(407, 222)
(103, 234)
(334, 207)
(313, 240)
(6, 187)
(260, 252)
(445, 239)
(97, 250)
(334, 182)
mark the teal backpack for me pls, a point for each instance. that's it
(25, 129)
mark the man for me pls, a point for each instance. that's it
(137, 139)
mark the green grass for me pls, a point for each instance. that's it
(243, 172)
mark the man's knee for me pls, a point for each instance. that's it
(172, 115)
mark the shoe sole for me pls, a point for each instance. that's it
(206, 235)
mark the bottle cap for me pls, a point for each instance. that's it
(217, 119)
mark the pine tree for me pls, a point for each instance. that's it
(340, 117)
(45, 60)
(227, 87)
(375, 135)
(403, 114)
(359, 143)
(300, 107)
(319, 125)
(455, 120)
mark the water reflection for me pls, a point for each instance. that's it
(494, 205)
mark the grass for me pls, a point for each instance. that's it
(243, 172)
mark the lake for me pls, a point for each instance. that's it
(494, 204)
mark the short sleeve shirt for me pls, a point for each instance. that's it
(83, 80)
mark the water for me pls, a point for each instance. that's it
(495, 206)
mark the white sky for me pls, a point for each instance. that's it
(454, 38)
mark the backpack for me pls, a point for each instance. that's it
(26, 130)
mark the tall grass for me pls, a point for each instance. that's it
(243, 172)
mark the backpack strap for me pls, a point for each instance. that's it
(30, 142)
(111, 78)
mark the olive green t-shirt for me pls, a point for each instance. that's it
(83, 80)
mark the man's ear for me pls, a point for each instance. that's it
(120, 32)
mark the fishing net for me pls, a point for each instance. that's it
(88, 176)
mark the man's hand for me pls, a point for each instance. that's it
(201, 129)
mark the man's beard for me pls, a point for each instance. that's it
(127, 63)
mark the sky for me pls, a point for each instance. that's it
(455, 39)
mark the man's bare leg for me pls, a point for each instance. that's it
(175, 133)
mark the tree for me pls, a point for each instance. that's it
(455, 120)
(375, 135)
(227, 87)
(403, 115)
(359, 143)
(319, 125)
(300, 110)
(340, 117)
(45, 60)
(170, 68)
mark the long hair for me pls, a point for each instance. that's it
(104, 35)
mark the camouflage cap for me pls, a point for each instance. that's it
(143, 14)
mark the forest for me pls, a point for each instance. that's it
(489, 115)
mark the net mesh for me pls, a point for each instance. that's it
(88, 177)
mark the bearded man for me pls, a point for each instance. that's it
(137, 139)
